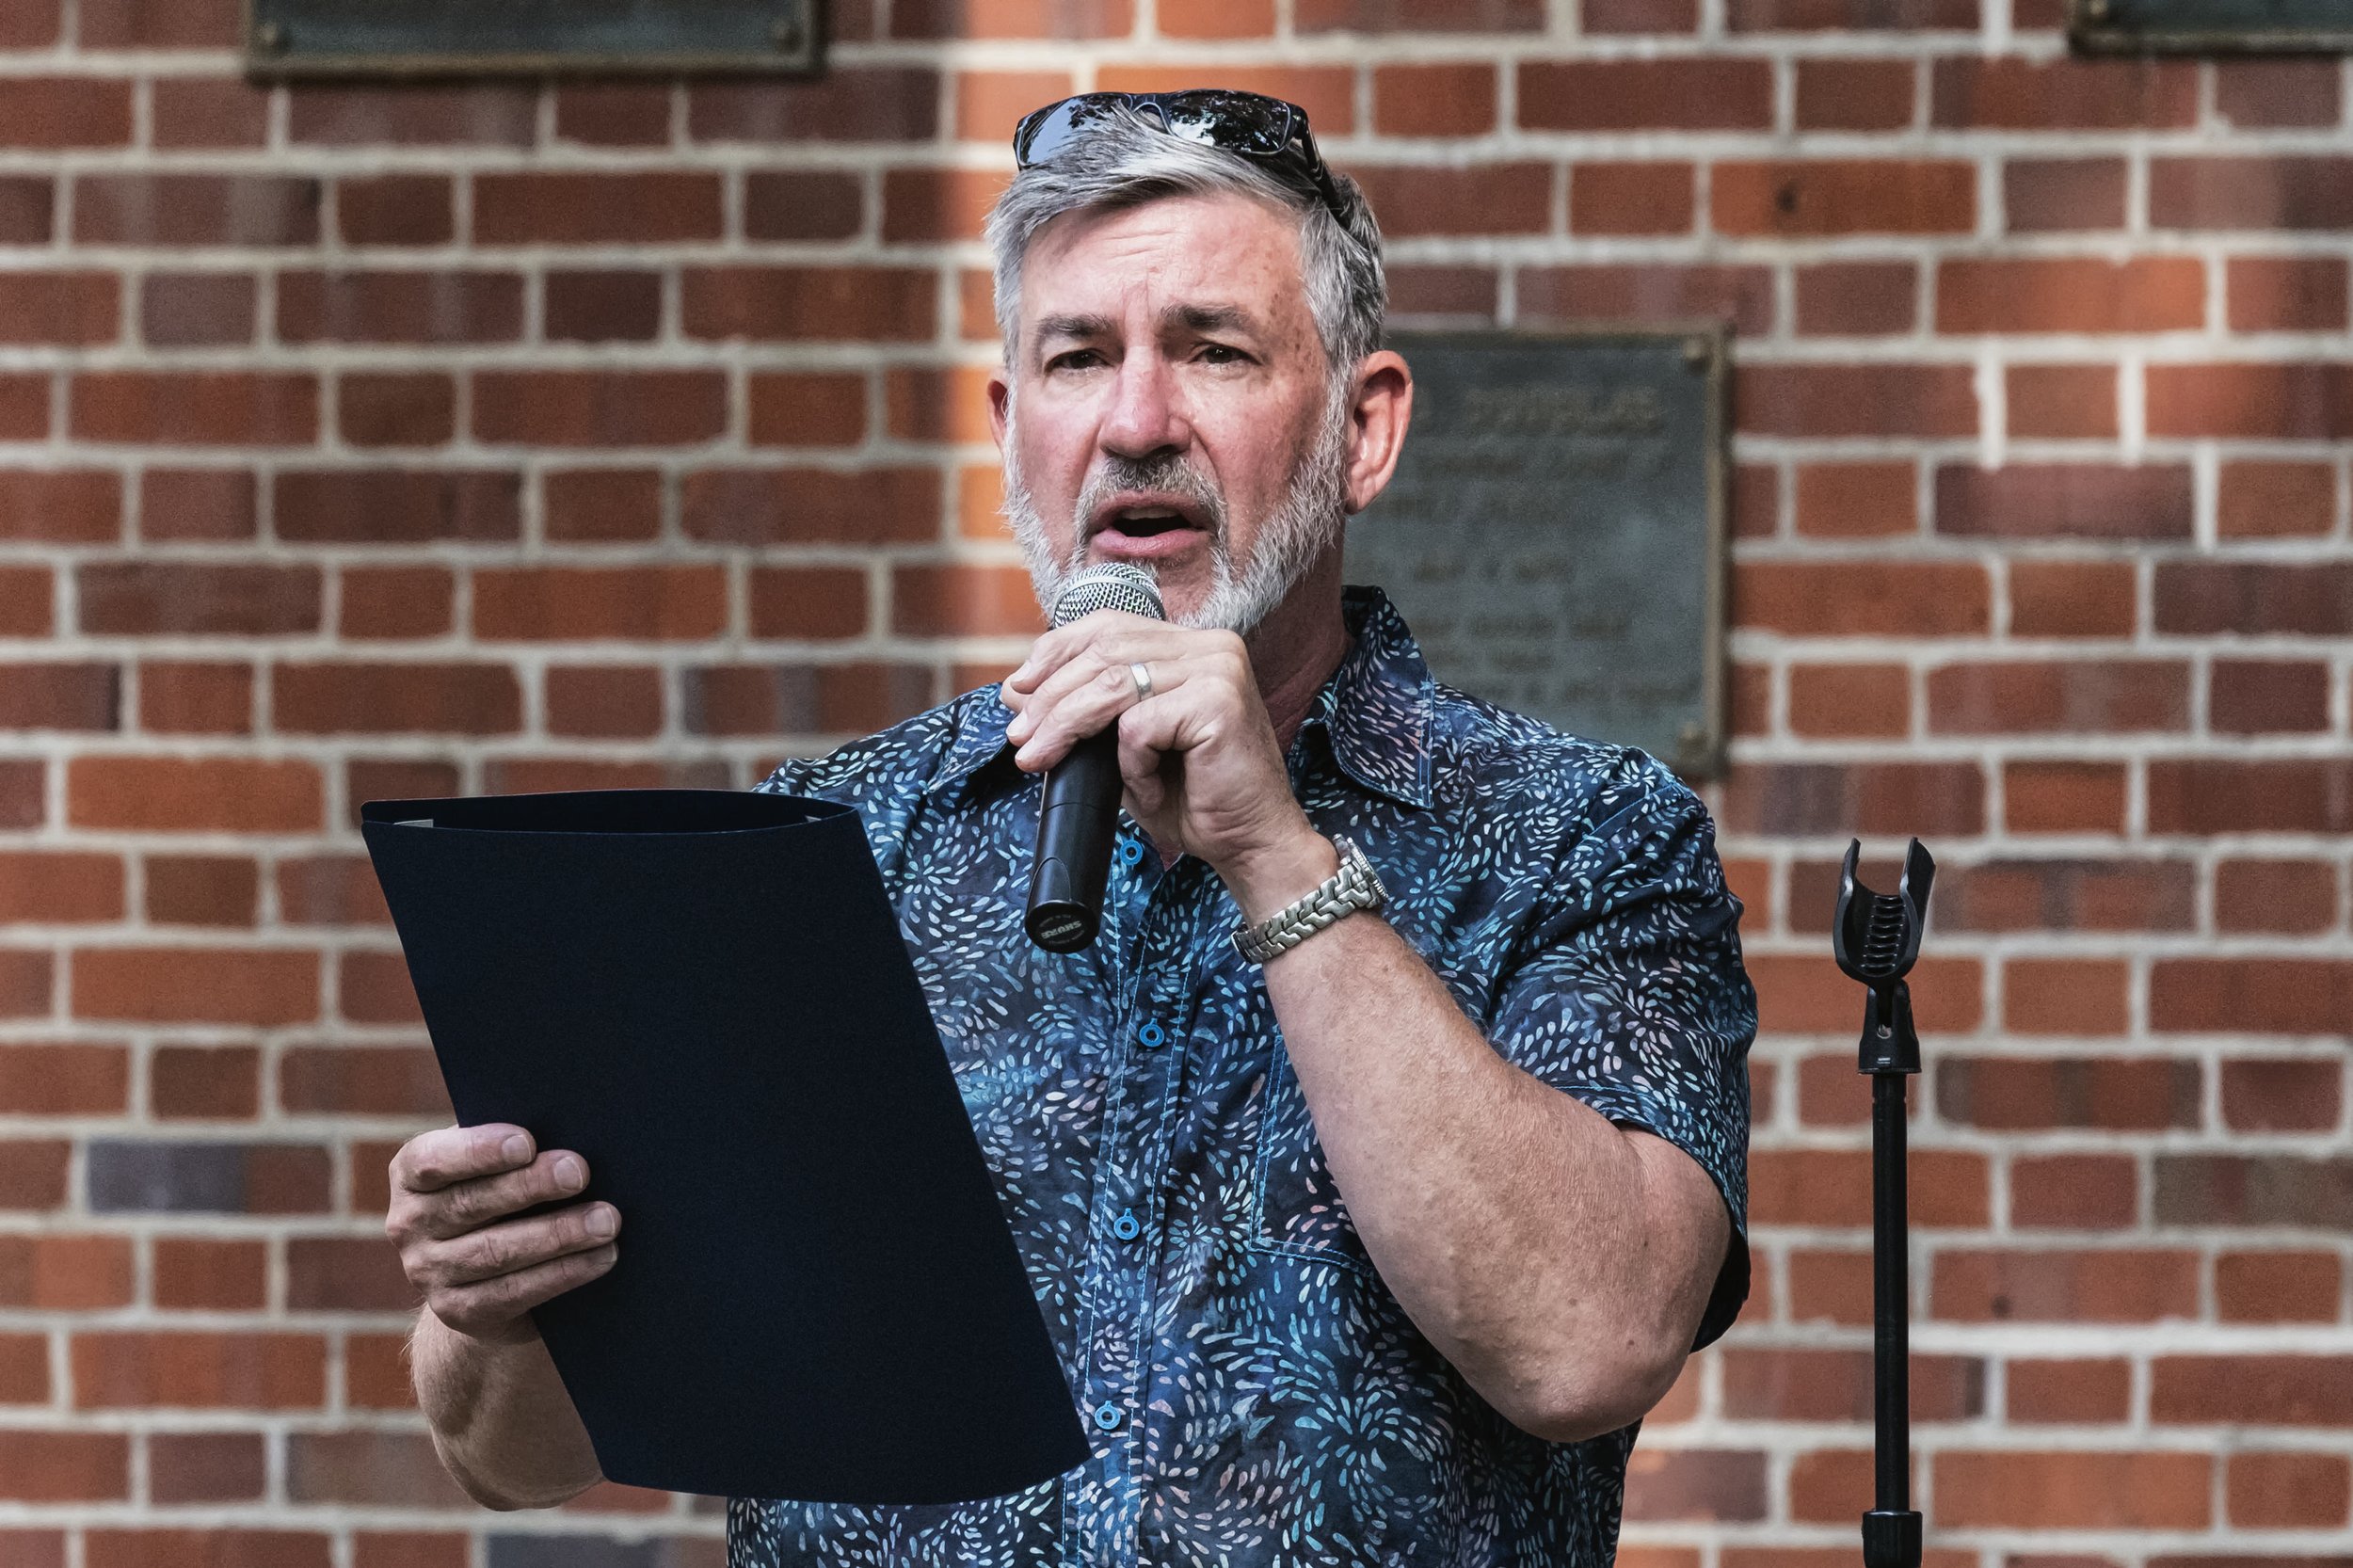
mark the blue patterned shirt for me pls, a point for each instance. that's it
(1254, 1395)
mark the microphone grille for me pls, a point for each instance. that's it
(1110, 586)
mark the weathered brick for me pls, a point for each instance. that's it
(2224, 794)
(53, 113)
(2284, 1189)
(810, 505)
(568, 208)
(201, 1549)
(207, 1466)
(876, 103)
(2074, 1489)
(1742, 295)
(183, 210)
(349, 698)
(800, 699)
(64, 1079)
(203, 890)
(2063, 195)
(410, 307)
(2148, 293)
(150, 1176)
(397, 506)
(196, 310)
(1489, 198)
(85, 696)
(574, 603)
(195, 407)
(1449, 100)
(1804, 799)
(2268, 1390)
(2069, 500)
(2204, 598)
(2035, 1093)
(395, 209)
(226, 794)
(460, 113)
(599, 408)
(1829, 400)
(1858, 298)
(202, 1275)
(1850, 197)
(2294, 402)
(2210, 193)
(803, 204)
(160, 598)
(1646, 95)
(1862, 596)
(603, 307)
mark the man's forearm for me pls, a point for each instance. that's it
(1551, 1255)
(501, 1421)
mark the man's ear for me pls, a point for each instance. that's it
(999, 400)
(1377, 417)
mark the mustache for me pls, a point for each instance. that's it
(1165, 472)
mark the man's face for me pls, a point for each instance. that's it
(1168, 405)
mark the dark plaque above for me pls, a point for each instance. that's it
(2212, 26)
(1555, 532)
(444, 37)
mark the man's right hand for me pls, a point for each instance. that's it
(481, 1271)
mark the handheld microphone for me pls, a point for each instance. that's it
(1079, 814)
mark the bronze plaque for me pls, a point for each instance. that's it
(1555, 532)
(477, 37)
(2212, 26)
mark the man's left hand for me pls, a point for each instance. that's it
(1201, 766)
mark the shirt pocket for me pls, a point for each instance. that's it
(1298, 1207)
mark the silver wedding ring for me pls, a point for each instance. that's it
(1142, 677)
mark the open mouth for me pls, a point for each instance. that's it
(1146, 523)
(1142, 518)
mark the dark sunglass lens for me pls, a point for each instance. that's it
(1235, 122)
(1043, 133)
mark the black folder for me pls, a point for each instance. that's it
(705, 993)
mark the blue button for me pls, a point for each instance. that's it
(1151, 1037)
(1126, 1227)
(1107, 1416)
(1130, 852)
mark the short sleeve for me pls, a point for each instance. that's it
(1627, 990)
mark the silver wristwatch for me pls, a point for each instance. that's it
(1354, 886)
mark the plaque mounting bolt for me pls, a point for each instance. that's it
(2096, 10)
(786, 34)
(1697, 353)
(270, 37)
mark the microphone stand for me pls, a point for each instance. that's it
(1877, 939)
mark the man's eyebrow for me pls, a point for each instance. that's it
(1073, 327)
(1210, 318)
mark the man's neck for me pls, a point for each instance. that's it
(1295, 650)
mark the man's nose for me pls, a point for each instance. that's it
(1146, 416)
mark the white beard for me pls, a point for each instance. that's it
(1293, 537)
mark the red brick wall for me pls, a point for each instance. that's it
(363, 442)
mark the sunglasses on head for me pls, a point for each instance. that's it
(1265, 130)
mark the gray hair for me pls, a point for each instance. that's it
(1125, 160)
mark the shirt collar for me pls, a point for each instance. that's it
(1376, 711)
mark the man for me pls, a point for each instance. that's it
(1371, 1251)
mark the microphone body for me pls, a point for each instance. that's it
(1079, 812)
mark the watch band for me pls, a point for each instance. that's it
(1356, 885)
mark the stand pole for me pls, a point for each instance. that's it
(1877, 939)
(1890, 1531)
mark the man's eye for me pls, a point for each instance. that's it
(1220, 354)
(1077, 358)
